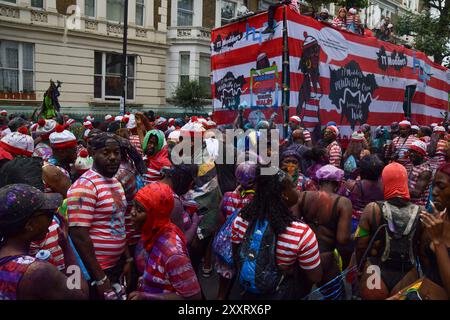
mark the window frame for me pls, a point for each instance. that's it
(121, 13)
(40, 8)
(205, 56)
(188, 54)
(186, 11)
(95, 9)
(20, 66)
(143, 5)
(103, 75)
(234, 15)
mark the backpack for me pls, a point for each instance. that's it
(222, 245)
(401, 225)
(258, 272)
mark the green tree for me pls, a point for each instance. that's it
(430, 29)
(359, 4)
(190, 95)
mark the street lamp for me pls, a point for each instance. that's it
(124, 58)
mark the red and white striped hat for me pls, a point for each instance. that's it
(69, 122)
(4, 113)
(88, 125)
(296, 119)
(108, 118)
(18, 143)
(439, 129)
(419, 146)
(405, 123)
(62, 139)
(46, 127)
(89, 118)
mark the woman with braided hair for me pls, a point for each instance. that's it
(295, 241)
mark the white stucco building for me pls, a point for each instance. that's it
(35, 47)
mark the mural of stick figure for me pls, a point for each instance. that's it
(309, 65)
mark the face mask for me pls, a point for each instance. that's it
(291, 169)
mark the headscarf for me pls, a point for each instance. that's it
(395, 181)
(246, 173)
(161, 157)
(158, 200)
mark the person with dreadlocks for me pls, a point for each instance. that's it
(329, 215)
(167, 269)
(334, 151)
(96, 206)
(230, 206)
(387, 237)
(156, 155)
(25, 216)
(295, 243)
(131, 166)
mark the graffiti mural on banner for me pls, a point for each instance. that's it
(229, 90)
(351, 92)
(396, 60)
(227, 42)
(264, 83)
(422, 69)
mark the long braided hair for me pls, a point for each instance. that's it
(268, 203)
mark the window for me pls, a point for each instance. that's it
(89, 8)
(184, 66)
(140, 12)
(37, 3)
(107, 76)
(205, 70)
(11, 1)
(114, 10)
(228, 11)
(16, 67)
(185, 12)
(263, 5)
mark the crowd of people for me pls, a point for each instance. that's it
(108, 199)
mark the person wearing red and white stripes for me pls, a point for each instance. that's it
(419, 174)
(296, 242)
(96, 206)
(334, 150)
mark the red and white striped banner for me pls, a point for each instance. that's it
(334, 75)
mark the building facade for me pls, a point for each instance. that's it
(40, 41)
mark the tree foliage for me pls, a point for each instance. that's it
(430, 29)
(190, 95)
(359, 4)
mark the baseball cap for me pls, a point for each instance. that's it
(18, 202)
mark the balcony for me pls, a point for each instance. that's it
(26, 16)
(189, 33)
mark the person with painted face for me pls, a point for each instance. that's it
(435, 244)
(330, 217)
(291, 163)
(334, 151)
(156, 155)
(167, 270)
(25, 215)
(401, 144)
(96, 205)
(419, 173)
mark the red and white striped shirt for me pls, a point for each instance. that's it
(413, 177)
(136, 142)
(401, 146)
(99, 203)
(334, 154)
(307, 135)
(297, 242)
(51, 244)
(439, 157)
(233, 201)
(151, 175)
